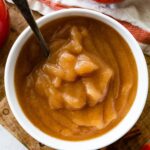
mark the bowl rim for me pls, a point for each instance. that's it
(111, 136)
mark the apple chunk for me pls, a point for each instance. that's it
(84, 65)
(74, 95)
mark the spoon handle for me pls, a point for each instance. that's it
(25, 10)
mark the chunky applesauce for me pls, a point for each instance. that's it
(86, 85)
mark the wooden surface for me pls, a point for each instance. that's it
(131, 141)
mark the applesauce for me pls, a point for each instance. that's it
(86, 85)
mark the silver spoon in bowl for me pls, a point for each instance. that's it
(25, 11)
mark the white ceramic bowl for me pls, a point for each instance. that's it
(117, 132)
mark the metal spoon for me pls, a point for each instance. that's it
(25, 10)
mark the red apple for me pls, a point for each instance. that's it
(108, 1)
(4, 22)
(146, 146)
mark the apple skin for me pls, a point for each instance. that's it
(146, 147)
(109, 1)
(4, 22)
